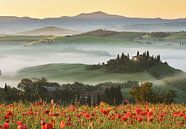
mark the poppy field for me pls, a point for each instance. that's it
(41, 115)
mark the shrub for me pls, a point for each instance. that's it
(144, 93)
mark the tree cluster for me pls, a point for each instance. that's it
(139, 63)
(145, 93)
(159, 34)
(113, 96)
(40, 89)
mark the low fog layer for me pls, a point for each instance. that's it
(14, 57)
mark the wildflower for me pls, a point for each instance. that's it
(46, 111)
(140, 119)
(6, 125)
(142, 113)
(87, 116)
(118, 116)
(124, 118)
(62, 124)
(9, 113)
(149, 118)
(138, 110)
(184, 117)
(38, 103)
(43, 124)
(105, 112)
(30, 113)
(129, 114)
(149, 113)
(48, 126)
(20, 125)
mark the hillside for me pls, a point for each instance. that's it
(50, 30)
(142, 62)
(137, 36)
(155, 39)
(163, 70)
(16, 38)
(106, 36)
(69, 73)
(99, 33)
(79, 72)
(143, 66)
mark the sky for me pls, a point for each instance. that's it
(131, 8)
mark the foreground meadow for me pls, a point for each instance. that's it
(40, 115)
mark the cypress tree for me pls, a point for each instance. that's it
(98, 99)
(122, 57)
(137, 53)
(89, 100)
(118, 57)
(148, 55)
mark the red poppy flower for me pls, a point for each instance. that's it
(48, 126)
(62, 124)
(118, 116)
(6, 125)
(149, 113)
(140, 119)
(138, 110)
(184, 117)
(22, 126)
(124, 118)
(30, 113)
(105, 111)
(46, 111)
(87, 116)
(9, 113)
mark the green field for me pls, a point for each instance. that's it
(78, 72)
(21, 38)
(126, 38)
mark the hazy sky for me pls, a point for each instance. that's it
(57, 8)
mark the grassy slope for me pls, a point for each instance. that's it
(163, 70)
(21, 38)
(78, 72)
(92, 39)
(178, 83)
(173, 37)
(118, 37)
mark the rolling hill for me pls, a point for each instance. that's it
(101, 36)
(106, 37)
(69, 73)
(78, 72)
(50, 30)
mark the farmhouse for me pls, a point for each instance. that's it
(139, 58)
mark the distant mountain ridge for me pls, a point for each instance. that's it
(91, 21)
(98, 14)
(49, 30)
